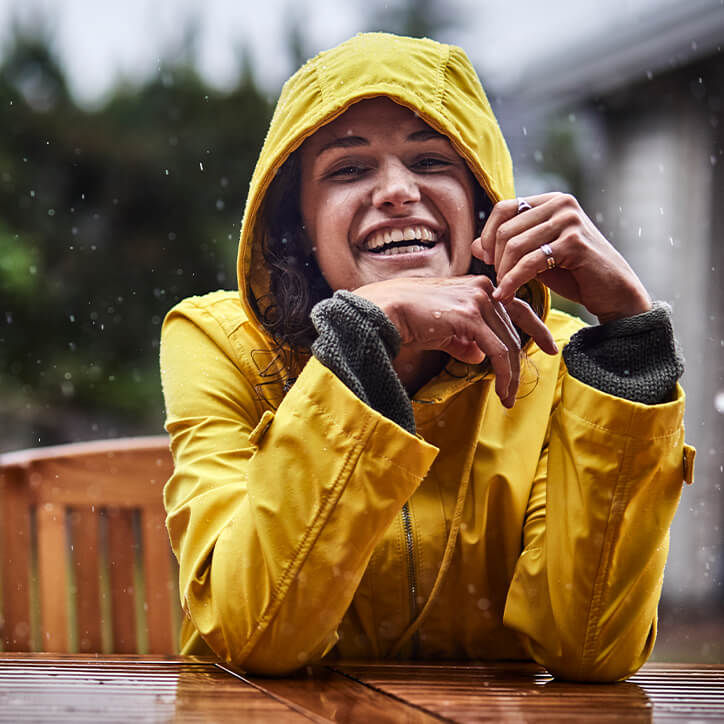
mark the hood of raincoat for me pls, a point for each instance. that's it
(436, 81)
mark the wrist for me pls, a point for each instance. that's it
(639, 305)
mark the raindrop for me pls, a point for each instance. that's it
(437, 315)
(201, 166)
(719, 402)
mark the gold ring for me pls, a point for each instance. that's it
(548, 252)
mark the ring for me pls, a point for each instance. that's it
(523, 205)
(548, 252)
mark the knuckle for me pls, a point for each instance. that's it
(570, 217)
(567, 201)
(485, 284)
(501, 235)
(574, 240)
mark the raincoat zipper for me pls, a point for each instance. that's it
(411, 574)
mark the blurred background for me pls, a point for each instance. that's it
(128, 134)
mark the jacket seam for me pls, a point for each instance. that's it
(609, 431)
(302, 551)
(318, 81)
(442, 81)
(610, 536)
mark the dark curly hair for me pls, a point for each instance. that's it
(296, 283)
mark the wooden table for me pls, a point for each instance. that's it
(99, 688)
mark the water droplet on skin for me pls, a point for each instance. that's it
(437, 315)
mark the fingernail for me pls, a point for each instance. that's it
(497, 294)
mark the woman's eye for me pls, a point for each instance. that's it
(347, 172)
(430, 164)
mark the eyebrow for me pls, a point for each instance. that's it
(426, 134)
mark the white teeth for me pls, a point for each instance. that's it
(408, 233)
(394, 250)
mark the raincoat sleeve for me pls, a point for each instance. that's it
(273, 517)
(586, 587)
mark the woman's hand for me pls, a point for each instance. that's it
(458, 315)
(587, 268)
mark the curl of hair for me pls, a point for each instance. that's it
(296, 283)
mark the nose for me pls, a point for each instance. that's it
(396, 187)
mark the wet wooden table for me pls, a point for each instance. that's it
(90, 688)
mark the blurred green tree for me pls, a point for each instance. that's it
(107, 218)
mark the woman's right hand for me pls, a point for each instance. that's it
(459, 316)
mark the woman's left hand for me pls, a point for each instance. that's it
(587, 270)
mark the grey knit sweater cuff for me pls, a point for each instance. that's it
(358, 343)
(636, 358)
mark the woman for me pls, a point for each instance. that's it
(366, 464)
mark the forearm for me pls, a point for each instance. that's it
(586, 587)
(273, 520)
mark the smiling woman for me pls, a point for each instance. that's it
(383, 196)
(380, 448)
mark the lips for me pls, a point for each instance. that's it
(401, 240)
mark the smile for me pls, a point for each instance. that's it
(407, 240)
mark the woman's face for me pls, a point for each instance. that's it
(383, 196)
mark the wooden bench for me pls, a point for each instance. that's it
(85, 562)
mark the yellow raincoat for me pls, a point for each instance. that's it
(543, 530)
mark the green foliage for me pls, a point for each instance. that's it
(107, 218)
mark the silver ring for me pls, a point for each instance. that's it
(523, 205)
(548, 253)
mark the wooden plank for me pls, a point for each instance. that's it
(52, 572)
(86, 570)
(16, 562)
(77, 689)
(124, 479)
(157, 579)
(326, 695)
(121, 545)
(525, 692)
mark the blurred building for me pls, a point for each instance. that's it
(633, 122)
